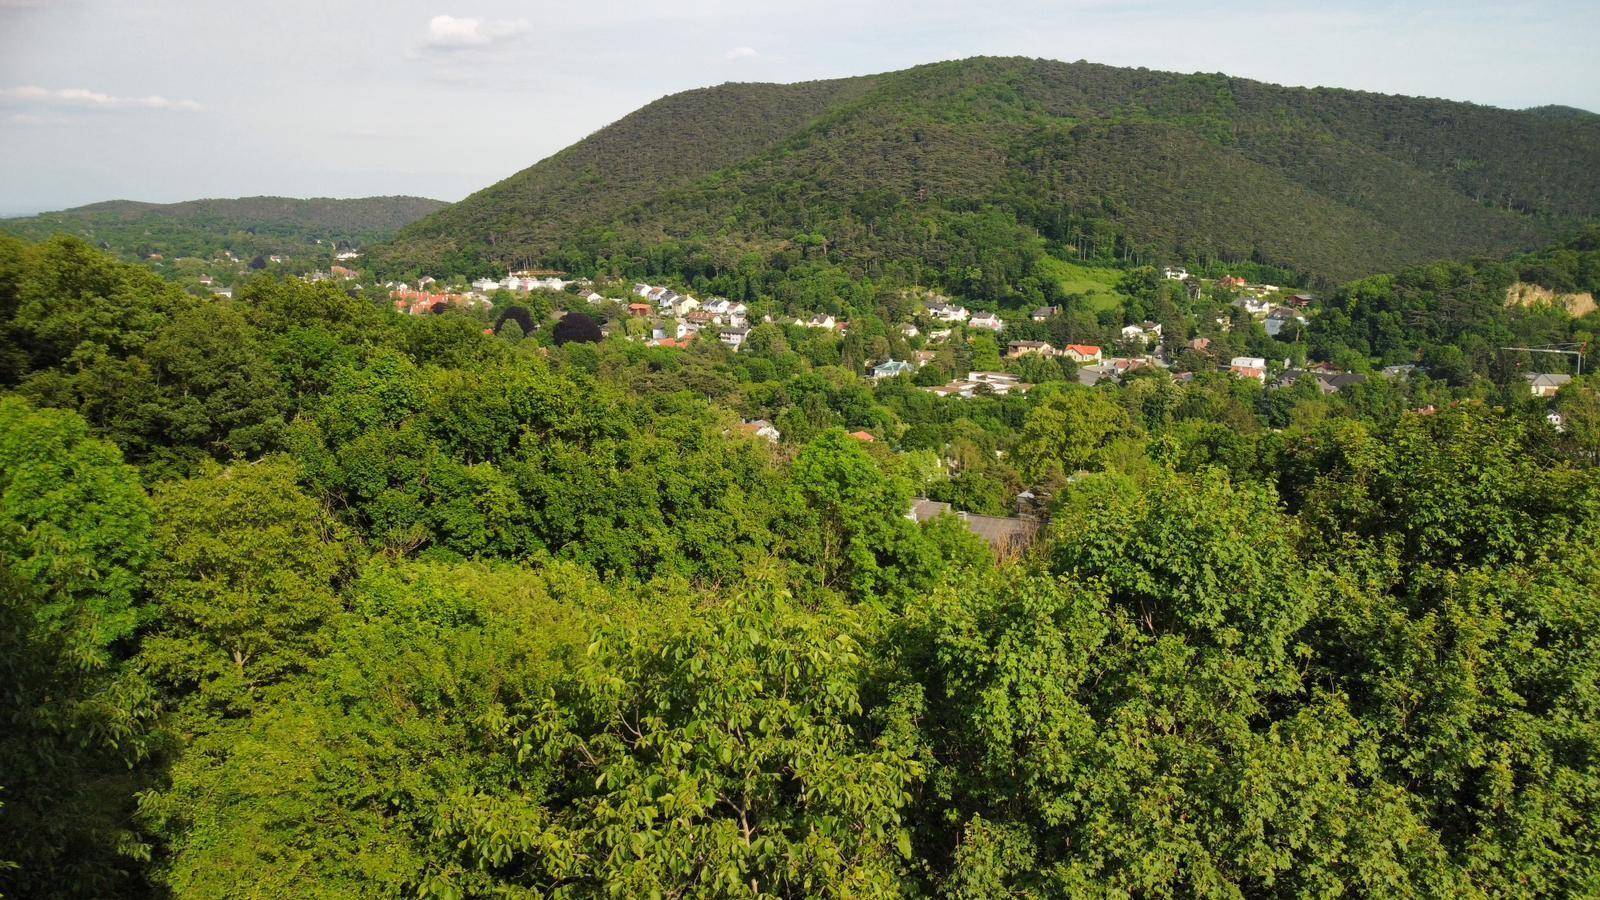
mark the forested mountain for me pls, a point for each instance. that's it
(949, 167)
(246, 225)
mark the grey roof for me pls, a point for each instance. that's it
(1542, 379)
(1005, 535)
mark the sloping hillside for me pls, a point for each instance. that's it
(1098, 161)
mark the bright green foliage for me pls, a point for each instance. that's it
(856, 518)
(1066, 432)
(417, 611)
(244, 586)
(728, 751)
(74, 522)
(353, 784)
(1194, 557)
(1084, 757)
(74, 540)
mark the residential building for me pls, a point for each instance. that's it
(733, 338)
(761, 428)
(1249, 367)
(1280, 318)
(1082, 353)
(945, 312)
(1175, 273)
(988, 321)
(1018, 349)
(822, 321)
(1546, 385)
(1007, 536)
(1045, 313)
(891, 369)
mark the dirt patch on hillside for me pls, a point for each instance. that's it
(1524, 294)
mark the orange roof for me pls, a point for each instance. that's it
(1084, 349)
(863, 436)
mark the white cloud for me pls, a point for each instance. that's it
(84, 98)
(450, 32)
(741, 53)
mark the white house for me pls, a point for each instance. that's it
(1144, 332)
(761, 428)
(1175, 273)
(1082, 353)
(909, 330)
(891, 368)
(988, 321)
(946, 312)
(733, 338)
(821, 321)
(486, 285)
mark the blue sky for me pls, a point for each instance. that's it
(178, 99)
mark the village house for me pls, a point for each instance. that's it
(1143, 332)
(761, 428)
(1045, 313)
(945, 312)
(988, 321)
(822, 321)
(1082, 353)
(640, 310)
(1546, 385)
(486, 285)
(909, 330)
(997, 383)
(891, 369)
(342, 273)
(1249, 367)
(535, 280)
(1280, 318)
(1019, 349)
(923, 357)
(1175, 273)
(1256, 307)
(1007, 537)
(733, 338)
(1200, 345)
(939, 334)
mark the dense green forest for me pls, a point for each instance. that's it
(962, 173)
(303, 597)
(248, 227)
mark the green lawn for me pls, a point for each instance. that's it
(1097, 283)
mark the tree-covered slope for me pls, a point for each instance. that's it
(245, 224)
(1101, 160)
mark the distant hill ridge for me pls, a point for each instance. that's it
(363, 213)
(1099, 159)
